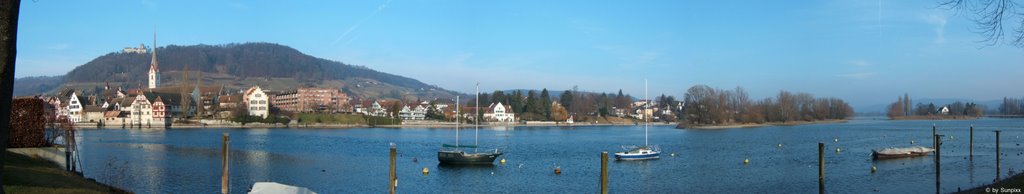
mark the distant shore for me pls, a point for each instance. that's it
(935, 117)
(751, 125)
(406, 124)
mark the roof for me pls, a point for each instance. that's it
(230, 98)
(92, 108)
(169, 99)
(490, 109)
(114, 113)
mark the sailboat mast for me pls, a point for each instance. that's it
(647, 106)
(476, 122)
(456, 121)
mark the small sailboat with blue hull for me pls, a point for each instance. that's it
(645, 152)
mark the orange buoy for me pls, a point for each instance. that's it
(558, 170)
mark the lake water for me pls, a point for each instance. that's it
(705, 161)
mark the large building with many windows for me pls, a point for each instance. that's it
(312, 100)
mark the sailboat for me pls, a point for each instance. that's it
(456, 154)
(645, 152)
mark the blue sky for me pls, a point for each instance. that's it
(867, 52)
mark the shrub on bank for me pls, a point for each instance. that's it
(28, 118)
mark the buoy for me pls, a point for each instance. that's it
(502, 161)
(558, 170)
(911, 141)
(672, 154)
(836, 140)
(780, 145)
(950, 136)
(746, 161)
(414, 160)
(426, 171)
(873, 169)
(838, 150)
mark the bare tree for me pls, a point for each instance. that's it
(989, 15)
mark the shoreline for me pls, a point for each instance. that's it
(1012, 183)
(753, 125)
(414, 124)
(934, 117)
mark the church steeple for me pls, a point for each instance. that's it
(154, 67)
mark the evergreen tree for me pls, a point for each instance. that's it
(545, 104)
(566, 100)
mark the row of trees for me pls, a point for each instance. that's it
(902, 108)
(710, 106)
(1012, 106)
(537, 106)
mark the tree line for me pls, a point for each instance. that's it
(1012, 106)
(712, 106)
(531, 105)
(902, 108)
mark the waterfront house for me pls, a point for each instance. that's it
(944, 110)
(74, 108)
(257, 102)
(499, 112)
(140, 110)
(409, 113)
(377, 110)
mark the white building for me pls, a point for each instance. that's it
(944, 110)
(257, 101)
(418, 113)
(499, 112)
(74, 108)
(377, 110)
(140, 50)
(140, 110)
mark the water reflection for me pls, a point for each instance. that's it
(706, 161)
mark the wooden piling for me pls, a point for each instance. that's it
(821, 168)
(997, 156)
(604, 172)
(224, 186)
(972, 143)
(938, 162)
(393, 180)
(934, 132)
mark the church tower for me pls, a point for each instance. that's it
(154, 68)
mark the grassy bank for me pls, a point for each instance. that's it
(345, 119)
(23, 174)
(1015, 182)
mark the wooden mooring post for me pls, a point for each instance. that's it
(604, 172)
(225, 186)
(821, 168)
(393, 180)
(997, 156)
(938, 162)
(972, 143)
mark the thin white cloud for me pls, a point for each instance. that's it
(860, 63)
(360, 22)
(858, 75)
(939, 21)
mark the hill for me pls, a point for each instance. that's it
(236, 66)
